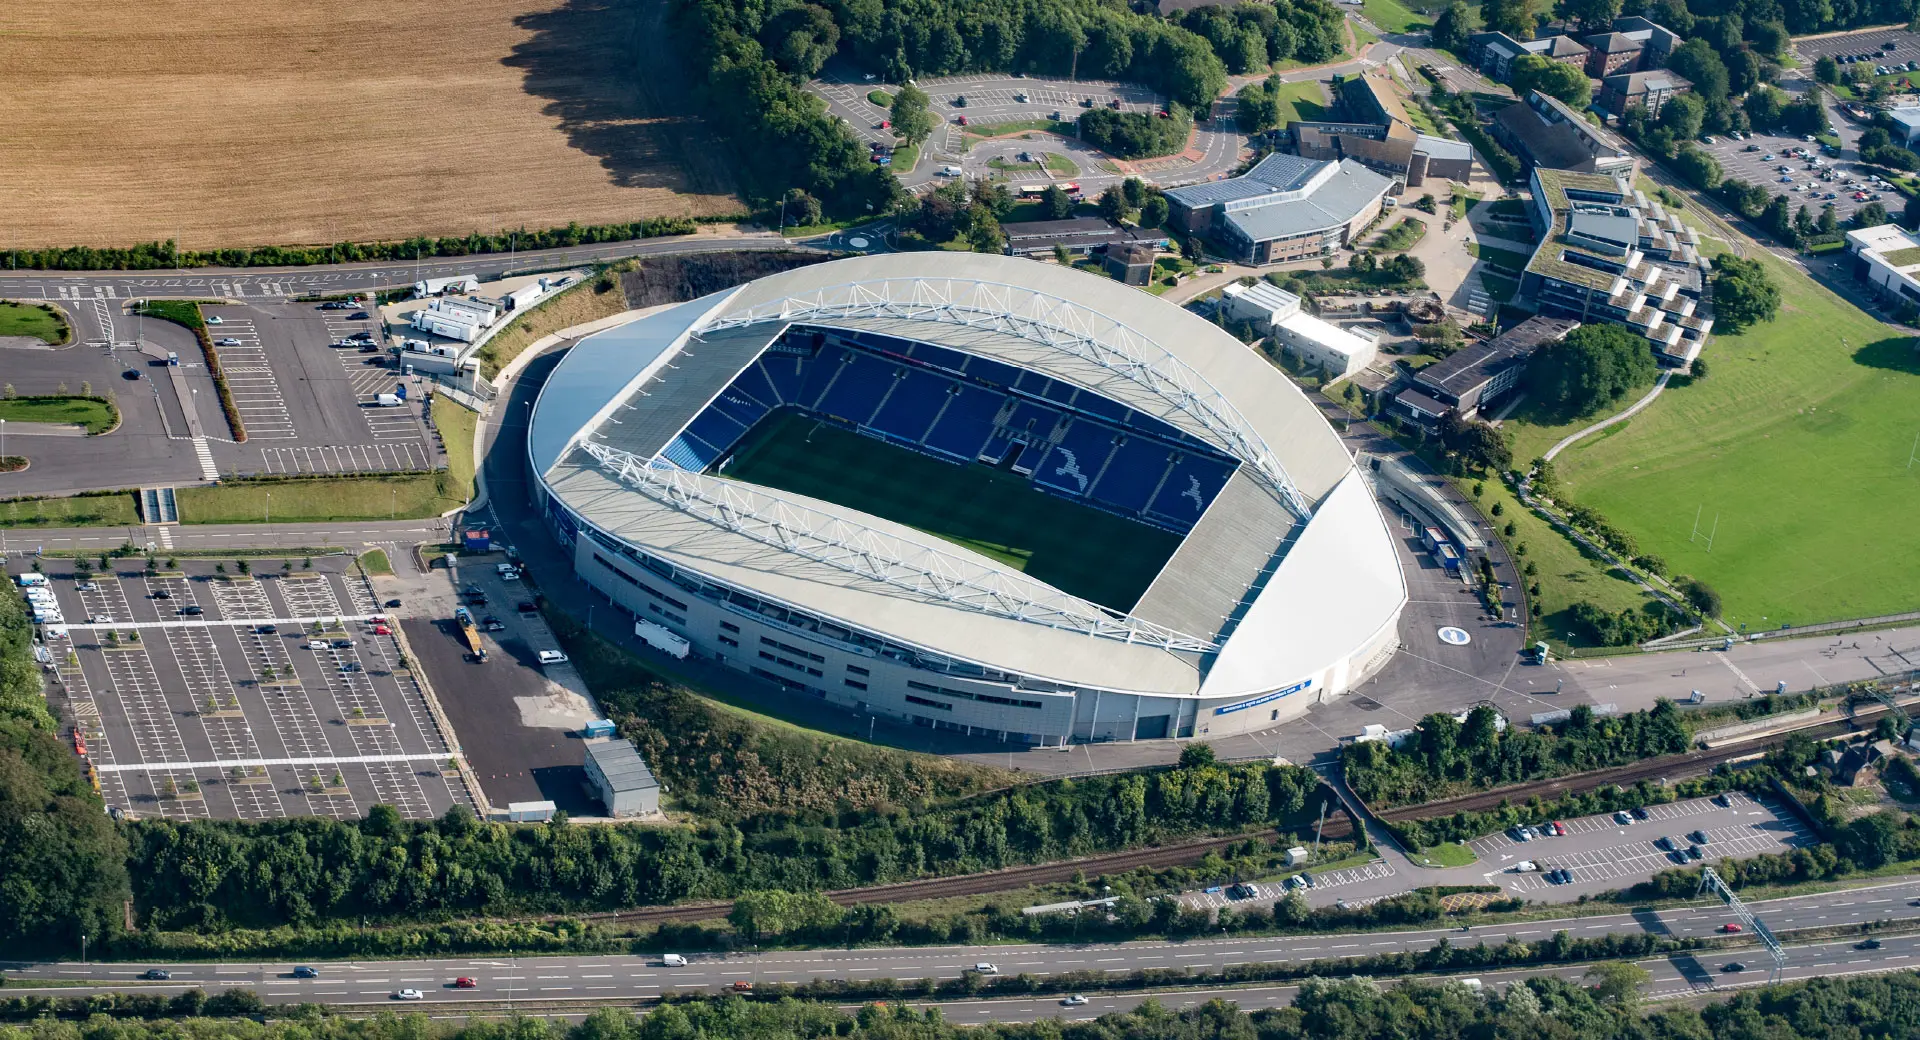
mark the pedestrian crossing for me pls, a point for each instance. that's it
(201, 451)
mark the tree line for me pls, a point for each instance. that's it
(1445, 756)
(152, 255)
(1600, 1006)
(213, 875)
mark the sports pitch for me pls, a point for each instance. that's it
(1075, 548)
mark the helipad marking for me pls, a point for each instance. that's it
(1455, 636)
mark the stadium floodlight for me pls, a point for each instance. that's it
(875, 555)
(1051, 321)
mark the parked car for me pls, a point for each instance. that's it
(526, 607)
(1639, 812)
(1698, 837)
(1622, 818)
(1694, 853)
(343, 644)
(552, 657)
(215, 319)
(193, 611)
(157, 593)
(493, 624)
(1559, 829)
(226, 341)
(743, 986)
(1663, 843)
(382, 630)
(266, 630)
(359, 316)
(393, 604)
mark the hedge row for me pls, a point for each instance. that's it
(187, 313)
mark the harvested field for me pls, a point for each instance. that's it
(309, 121)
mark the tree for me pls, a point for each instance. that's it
(1696, 61)
(1134, 190)
(1533, 72)
(62, 862)
(983, 233)
(1516, 18)
(1057, 204)
(1153, 211)
(800, 39)
(1617, 982)
(1593, 15)
(1594, 366)
(1113, 204)
(1196, 755)
(1699, 168)
(1684, 114)
(912, 119)
(772, 913)
(1700, 596)
(1451, 29)
(1826, 70)
(1873, 214)
(1743, 293)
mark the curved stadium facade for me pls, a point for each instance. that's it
(974, 493)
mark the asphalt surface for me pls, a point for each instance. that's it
(613, 976)
(232, 713)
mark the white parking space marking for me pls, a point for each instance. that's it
(250, 379)
(385, 457)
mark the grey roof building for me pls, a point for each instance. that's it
(1285, 208)
(1480, 373)
(626, 785)
(1543, 131)
(1076, 235)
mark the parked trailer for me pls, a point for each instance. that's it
(1449, 558)
(662, 639)
(468, 633)
(1433, 538)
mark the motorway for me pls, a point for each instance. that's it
(644, 977)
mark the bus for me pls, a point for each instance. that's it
(1034, 191)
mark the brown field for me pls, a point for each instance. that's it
(244, 122)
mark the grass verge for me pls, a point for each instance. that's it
(374, 561)
(880, 97)
(93, 509)
(1446, 854)
(1393, 17)
(187, 313)
(1565, 573)
(1401, 236)
(95, 413)
(456, 423)
(39, 320)
(364, 497)
(598, 296)
(1304, 101)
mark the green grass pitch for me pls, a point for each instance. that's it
(1076, 549)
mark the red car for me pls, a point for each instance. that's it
(1559, 829)
(885, 124)
(962, 120)
(382, 630)
(1729, 927)
(743, 987)
(464, 982)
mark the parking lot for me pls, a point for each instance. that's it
(310, 406)
(1267, 893)
(194, 693)
(1602, 853)
(1906, 47)
(1803, 182)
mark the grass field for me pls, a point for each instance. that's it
(40, 321)
(1393, 17)
(297, 121)
(998, 514)
(111, 509)
(92, 412)
(1304, 101)
(366, 497)
(456, 424)
(1798, 442)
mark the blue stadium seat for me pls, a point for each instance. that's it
(909, 409)
(1060, 392)
(1033, 420)
(1077, 459)
(819, 375)
(993, 373)
(1105, 407)
(682, 453)
(855, 396)
(716, 428)
(785, 375)
(754, 385)
(1190, 488)
(1132, 475)
(739, 407)
(996, 449)
(966, 423)
(939, 357)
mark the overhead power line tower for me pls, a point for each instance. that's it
(1709, 879)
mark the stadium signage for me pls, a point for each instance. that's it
(1258, 701)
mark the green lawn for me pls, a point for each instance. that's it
(1401, 236)
(112, 509)
(1394, 18)
(1565, 573)
(375, 561)
(180, 312)
(322, 498)
(1065, 129)
(38, 320)
(880, 97)
(1445, 854)
(1304, 101)
(1079, 550)
(1798, 442)
(456, 424)
(92, 412)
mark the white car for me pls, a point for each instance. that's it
(552, 657)
(1525, 866)
(215, 319)
(987, 968)
(1074, 1001)
(408, 994)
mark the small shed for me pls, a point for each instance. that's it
(624, 782)
(1296, 856)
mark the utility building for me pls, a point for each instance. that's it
(626, 785)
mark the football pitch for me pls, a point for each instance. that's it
(1075, 548)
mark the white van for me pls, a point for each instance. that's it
(32, 579)
(950, 171)
(318, 644)
(387, 401)
(673, 960)
(552, 657)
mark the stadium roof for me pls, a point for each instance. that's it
(884, 577)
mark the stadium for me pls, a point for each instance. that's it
(974, 493)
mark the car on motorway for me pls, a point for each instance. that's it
(156, 974)
(193, 611)
(673, 960)
(1867, 944)
(1697, 837)
(464, 982)
(305, 972)
(1734, 966)
(1073, 1000)
(743, 986)
(408, 994)
(1730, 928)
(986, 968)
(552, 657)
